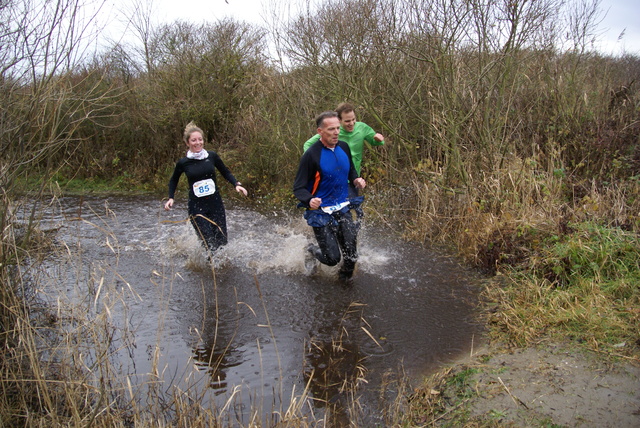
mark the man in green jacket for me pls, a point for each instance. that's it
(353, 133)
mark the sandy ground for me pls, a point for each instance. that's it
(549, 386)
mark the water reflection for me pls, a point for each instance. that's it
(216, 359)
(335, 368)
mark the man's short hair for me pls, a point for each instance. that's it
(344, 108)
(324, 115)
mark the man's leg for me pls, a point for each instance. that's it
(328, 250)
(348, 240)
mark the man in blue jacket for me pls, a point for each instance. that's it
(322, 186)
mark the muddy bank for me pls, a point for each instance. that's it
(552, 385)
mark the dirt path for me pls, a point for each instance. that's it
(549, 386)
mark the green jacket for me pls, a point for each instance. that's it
(361, 133)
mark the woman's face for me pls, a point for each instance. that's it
(195, 142)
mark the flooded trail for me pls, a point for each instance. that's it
(251, 329)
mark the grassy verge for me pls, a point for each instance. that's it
(583, 285)
(68, 184)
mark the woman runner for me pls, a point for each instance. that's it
(206, 209)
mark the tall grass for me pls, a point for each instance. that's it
(55, 365)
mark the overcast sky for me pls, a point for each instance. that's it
(621, 15)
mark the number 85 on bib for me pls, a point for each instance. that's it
(204, 187)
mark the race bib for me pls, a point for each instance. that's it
(334, 208)
(204, 187)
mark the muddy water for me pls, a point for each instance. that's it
(251, 329)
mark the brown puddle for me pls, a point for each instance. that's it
(253, 329)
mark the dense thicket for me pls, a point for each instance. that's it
(484, 104)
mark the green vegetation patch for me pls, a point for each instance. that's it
(71, 185)
(584, 285)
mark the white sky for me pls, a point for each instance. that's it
(621, 15)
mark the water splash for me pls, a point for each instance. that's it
(255, 242)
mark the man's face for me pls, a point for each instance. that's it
(348, 121)
(329, 131)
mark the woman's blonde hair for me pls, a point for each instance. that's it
(190, 129)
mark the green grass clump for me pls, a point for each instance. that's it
(605, 257)
(583, 285)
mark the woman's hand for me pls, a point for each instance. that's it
(168, 204)
(241, 189)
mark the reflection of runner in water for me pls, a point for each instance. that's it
(321, 185)
(206, 209)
